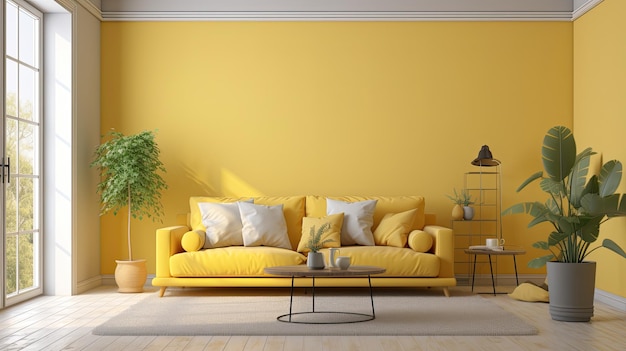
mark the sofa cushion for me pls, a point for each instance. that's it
(420, 241)
(357, 221)
(263, 225)
(293, 210)
(333, 234)
(223, 224)
(399, 262)
(193, 240)
(232, 261)
(394, 228)
(316, 206)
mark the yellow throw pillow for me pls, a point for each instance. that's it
(334, 233)
(193, 240)
(420, 241)
(393, 229)
(531, 293)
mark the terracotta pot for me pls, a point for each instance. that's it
(457, 212)
(130, 276)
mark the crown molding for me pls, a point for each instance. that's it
(344, 10)
(583, 6)
(335, 16)
(89, 6)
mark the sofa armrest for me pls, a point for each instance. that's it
(168, 243)
(443, 247)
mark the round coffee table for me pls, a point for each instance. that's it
(489, 252)
(304, 271)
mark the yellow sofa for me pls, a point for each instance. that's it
(242, 266)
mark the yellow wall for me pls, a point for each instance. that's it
(600, 113)
(332, 108)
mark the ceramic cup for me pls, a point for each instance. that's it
(343, 262)
(495, 243)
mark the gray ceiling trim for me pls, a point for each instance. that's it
(583, 6)
(336, 16)
(89, 6)
(345, 10)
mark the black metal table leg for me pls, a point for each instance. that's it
(473, 273)
(313, 294)
(515, 265)
(493, 282)
(369, 280)
(291, 298)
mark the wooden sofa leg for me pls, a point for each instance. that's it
(162, 291)
(446, 292)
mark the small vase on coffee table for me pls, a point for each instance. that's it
(315, 260)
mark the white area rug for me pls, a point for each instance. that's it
(396, 314)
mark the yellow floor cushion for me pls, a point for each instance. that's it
(232, 261)
(398, 261)
(531, 293)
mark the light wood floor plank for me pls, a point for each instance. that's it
(198, 343)
(255, 343)
(217, 343)
(294, 343)
(236, 343)
(275, 343)
(159, 343)
(312, 343)
(66, 323)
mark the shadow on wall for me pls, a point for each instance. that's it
(230, 185)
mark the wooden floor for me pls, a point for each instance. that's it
(66, 322)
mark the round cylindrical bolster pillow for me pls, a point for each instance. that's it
(420, 241)
(193, 240)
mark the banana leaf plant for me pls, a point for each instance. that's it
(576, 205)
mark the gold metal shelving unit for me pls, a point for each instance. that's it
(485, 189)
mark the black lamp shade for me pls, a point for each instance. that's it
(485, 158)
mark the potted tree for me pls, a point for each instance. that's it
(576, 207)
(129, 179)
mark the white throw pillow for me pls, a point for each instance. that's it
(357, 222)
(223, 224)
(264, 225)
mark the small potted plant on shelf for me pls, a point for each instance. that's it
(575, 208)
(129, 178)
(315, 259)
(462, 208)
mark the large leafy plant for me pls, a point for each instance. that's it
(577, 204)
(129, 178)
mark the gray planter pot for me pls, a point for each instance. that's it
(572, 287)
(468, 213)
(315, 260)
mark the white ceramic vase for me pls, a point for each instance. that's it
(468, 213)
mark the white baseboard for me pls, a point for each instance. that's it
(607, 298)
(612, 300)
(109, 279)
(500, 279)
(88, 284)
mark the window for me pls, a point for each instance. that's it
(22, 150)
